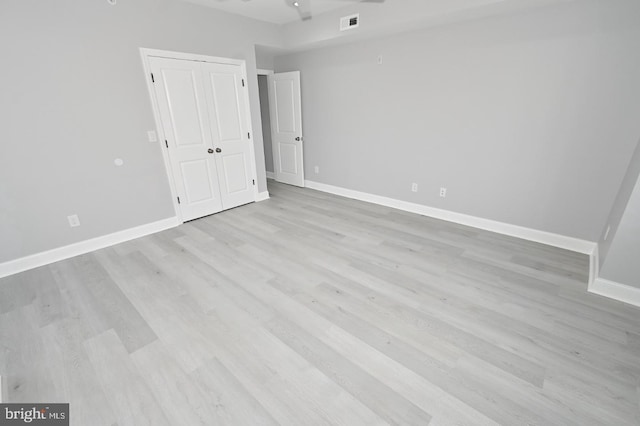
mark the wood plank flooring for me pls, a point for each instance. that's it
(311, 309)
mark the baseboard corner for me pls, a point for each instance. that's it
(614, 290)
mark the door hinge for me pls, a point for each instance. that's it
(178, 200)
(243, 82)
(166, 143)
(249, 135)
(153, 80)
(254, 182)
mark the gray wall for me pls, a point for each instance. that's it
(619, 205)
(74, 98)
(265, 56)
(266, 122)
(622, 265)
(528, 119)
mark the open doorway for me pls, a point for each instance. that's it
(263, 87)
(280, 107)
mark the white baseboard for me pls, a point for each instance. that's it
(262, 196)
(271, 175)
(46, 257)
(556, 240)
(614, 290)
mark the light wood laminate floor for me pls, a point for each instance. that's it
(313, 309)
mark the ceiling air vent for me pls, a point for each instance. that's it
(350, 22)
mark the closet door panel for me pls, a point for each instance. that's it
(228, 121)
(185, 117)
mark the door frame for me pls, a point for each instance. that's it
(145, 54)
(267, 73)
(272, 103)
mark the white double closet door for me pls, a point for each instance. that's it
(204, 117)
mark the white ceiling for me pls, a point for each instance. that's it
(274, 11)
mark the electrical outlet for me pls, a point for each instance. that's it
(152, 136)
(443, 192)
(606, 234)
(73, 220)
(316, 169)
(414, 187)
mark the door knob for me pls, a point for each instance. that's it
(298, 138)
(210, 151)
(218, 150)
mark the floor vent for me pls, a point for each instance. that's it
(350, 22)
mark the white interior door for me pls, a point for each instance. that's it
(229, 128)
(185, 120)
(286, 127)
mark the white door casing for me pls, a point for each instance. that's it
(286, 127)
(201, 109)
